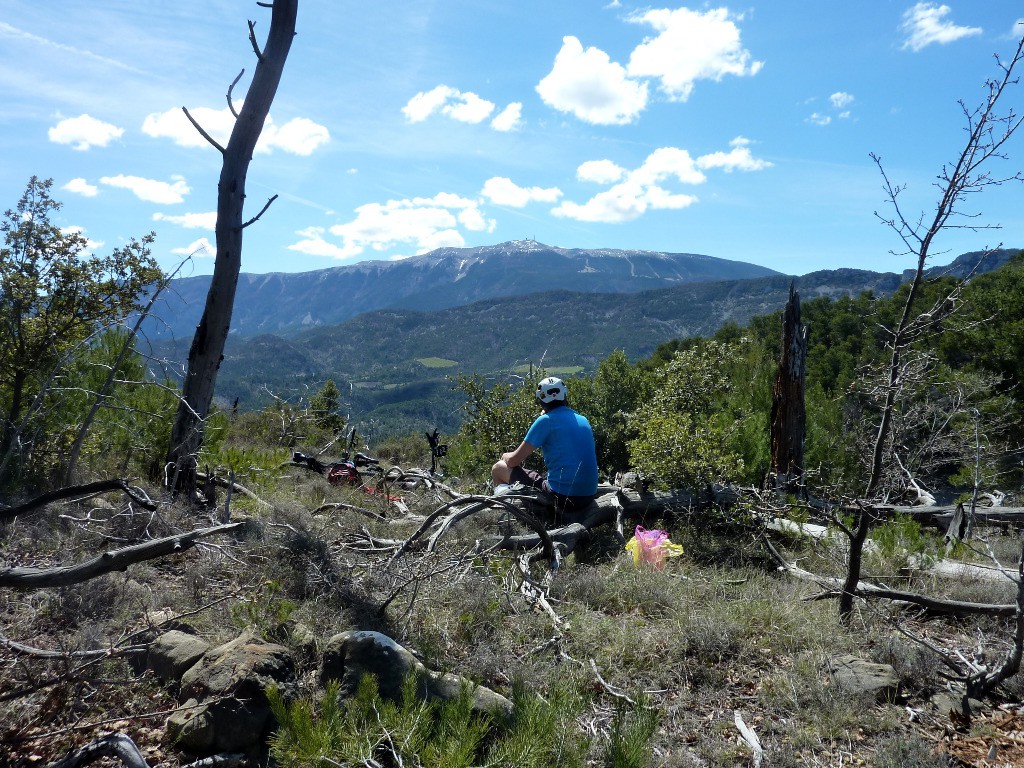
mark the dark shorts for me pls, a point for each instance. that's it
(563, 504)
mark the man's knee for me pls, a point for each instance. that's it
(500, 472)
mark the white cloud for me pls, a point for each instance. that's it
(503, 191)
(644, 189)
(465, 107)
(600, 171)
(819, 119)
(589, 85)
(173, 125)
(299, 136)
(926, 23)
(83, 132)
(200, 249)
(206, 220)
(841, 99)
(90, 244)
(314, 244)
(151, 190)
(424, 223)
(81, 187)
(510, 118)
(690, 46)
(739, 158)
(639, 190)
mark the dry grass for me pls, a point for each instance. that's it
(718, 631)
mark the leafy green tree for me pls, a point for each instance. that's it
(54, 294)
(681, 443)
(324, 408)
(609, 400)
(130, 427)
(496, 419)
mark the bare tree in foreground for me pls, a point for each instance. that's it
(207, 349)
(988, 131)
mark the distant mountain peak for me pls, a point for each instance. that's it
(283, 303)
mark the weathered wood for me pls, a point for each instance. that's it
(788, 420)
(835, 588)
(207, 350)
(89, 489)
(112, 745)
(108, 562)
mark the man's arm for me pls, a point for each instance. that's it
(518, 456)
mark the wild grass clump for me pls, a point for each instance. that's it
(370, 730)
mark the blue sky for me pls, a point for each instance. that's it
(737, 131)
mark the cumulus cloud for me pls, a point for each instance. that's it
(841, 99)
(819, 119)
(690, 46)
(424, 223)
(739, 158)
(503, 191)
(589, 85)
(634, 192)
(90, 244)
(81, 187)
(927, 23)
(299, 136)
(200, 249)
(464, 107)
(206, 220)
(510, 118)
(150, 190)
(600, 171)
(84, 132)
(639, 190)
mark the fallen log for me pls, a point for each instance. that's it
(36, 578)
(834, 587)
(89, 489)
(116, 745)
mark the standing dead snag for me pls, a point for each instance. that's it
(789, 416)
(207, 349)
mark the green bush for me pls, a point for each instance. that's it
(680, 443)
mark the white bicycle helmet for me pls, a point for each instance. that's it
(550, 390)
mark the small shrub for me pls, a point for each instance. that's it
(629, 745)
(368, 730)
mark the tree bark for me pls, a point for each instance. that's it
(207, 348)
(89, 489)
(788, 415)
(108, 562)
(116, 745)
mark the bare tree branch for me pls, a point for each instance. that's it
(35, 578)
(202, 131)
(89, 489)
(263, 210)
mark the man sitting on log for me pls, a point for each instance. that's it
(567, 441)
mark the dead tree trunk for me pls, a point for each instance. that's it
(207, 349)
(788, 415)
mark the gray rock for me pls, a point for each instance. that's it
(859, 677)
(225, 693)
(173, 653)
(350, 655)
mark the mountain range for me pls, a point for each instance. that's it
(285, 303)
(395, 363)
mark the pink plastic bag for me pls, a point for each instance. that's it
(652, 548)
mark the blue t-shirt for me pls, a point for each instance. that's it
(567, 441)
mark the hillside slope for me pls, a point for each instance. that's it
(285, 303)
